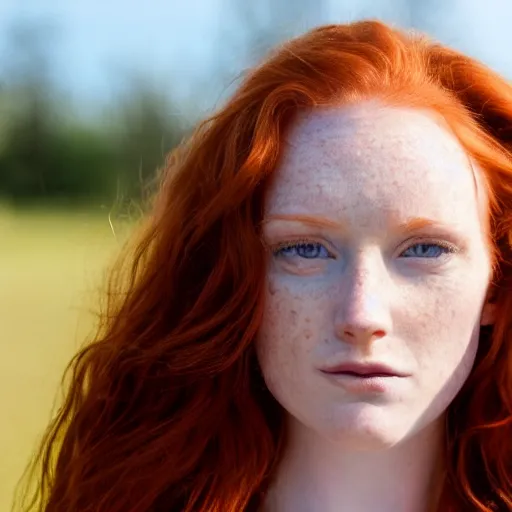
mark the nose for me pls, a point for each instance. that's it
(364, 314)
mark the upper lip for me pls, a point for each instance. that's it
(364, 369)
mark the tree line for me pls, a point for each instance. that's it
(49, 153)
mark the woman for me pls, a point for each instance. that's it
(318, 315)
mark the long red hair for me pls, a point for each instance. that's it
(166, 409)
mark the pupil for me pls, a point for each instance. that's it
(309, 249)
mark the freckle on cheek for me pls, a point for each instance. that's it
(271, 288)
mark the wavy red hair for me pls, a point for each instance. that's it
(166, 410)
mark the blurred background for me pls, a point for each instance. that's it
(93, 94)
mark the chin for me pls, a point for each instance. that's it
(365, 427)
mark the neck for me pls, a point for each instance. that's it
(316, 474)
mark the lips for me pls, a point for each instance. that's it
(363, 370)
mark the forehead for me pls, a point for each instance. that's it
(378, 158)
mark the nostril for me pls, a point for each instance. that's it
(369, 334)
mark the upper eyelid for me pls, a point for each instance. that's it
(430, 240)
(301, 239)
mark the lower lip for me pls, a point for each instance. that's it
(363, 384)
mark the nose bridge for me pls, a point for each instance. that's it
(364, 291)
(364, 312)
(367, 274)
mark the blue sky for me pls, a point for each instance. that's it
(96, 39)
(177, 42)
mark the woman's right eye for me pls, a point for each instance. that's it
(305, 250)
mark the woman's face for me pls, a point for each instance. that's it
(378, 274)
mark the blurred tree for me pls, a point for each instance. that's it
(48, 153)
(146, 127)
(45, 162)
(26, 109)
(44, 155)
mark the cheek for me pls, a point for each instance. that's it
(289, 332)
(440, 325)
(443, 343)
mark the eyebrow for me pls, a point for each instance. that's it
(410, 225)
(311, 220)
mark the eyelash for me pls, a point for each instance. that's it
(446, 247)
(298, 243)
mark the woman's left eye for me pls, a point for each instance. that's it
(306, 250)
(427, 250)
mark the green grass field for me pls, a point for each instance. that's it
(50, 267)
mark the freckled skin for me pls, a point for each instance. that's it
(369, 168)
